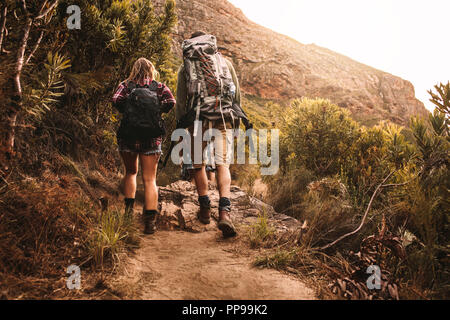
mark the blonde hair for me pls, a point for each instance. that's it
(143, 69)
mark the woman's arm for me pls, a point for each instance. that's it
(119, 98)
(167, 99)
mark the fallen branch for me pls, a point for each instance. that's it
(381, 185)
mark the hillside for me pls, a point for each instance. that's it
(276, 67)
(346, 196)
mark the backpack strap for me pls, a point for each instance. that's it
(197, 111)
(153, 86)
(131, 85)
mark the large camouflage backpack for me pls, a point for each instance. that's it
(142, 116)
(210, 86)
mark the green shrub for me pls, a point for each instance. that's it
(317, 135)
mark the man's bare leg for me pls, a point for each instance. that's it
(201, 182)
(223, 181)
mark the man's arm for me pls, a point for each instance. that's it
(180, 107)
(237, 98)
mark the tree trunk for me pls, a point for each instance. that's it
(16, 99)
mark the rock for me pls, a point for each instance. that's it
(276, 67)
(179, 207)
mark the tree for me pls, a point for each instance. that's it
(47, 59)
(28, 19)
(442, 98)
(113, 35)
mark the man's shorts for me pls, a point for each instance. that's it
(218, 152)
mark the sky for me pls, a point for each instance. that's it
(407, 38)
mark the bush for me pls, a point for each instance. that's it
(330, 169)
(317, 135)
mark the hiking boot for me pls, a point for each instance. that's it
(225, 225)
(204, 215)
(129, 207)
(149, 222)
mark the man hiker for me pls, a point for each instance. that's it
(208, 91)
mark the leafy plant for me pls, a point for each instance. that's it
(441, 99)
(40, 100)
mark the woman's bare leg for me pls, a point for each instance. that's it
(149, 165)
(130, 161)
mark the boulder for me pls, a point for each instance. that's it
(179, 206)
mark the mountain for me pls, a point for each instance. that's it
(275, 67)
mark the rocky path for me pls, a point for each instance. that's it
(195, 262)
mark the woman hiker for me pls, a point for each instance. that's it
(140, 143)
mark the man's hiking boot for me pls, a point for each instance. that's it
(225, 225)
(204, 215)
(149, 218)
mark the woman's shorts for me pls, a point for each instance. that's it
(147, 148)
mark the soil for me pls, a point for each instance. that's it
(197, 266)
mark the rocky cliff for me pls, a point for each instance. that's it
(276, 67)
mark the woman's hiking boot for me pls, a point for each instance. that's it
(129, 207)
(149, 218)
(225, 225)
(204, 215)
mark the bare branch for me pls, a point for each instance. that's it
(396, 184)
(36, 46)
(23, 5)
(3, 26)
(46, 12)
(402, 184)
(21, 51)
(43, 6)
(364, 217)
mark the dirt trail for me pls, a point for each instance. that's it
(201, 265)
(180, 265)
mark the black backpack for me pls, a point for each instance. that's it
(142, 115)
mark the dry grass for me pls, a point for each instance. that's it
(260, 232)
(307, 265)
(50, 222)
(113, 232)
